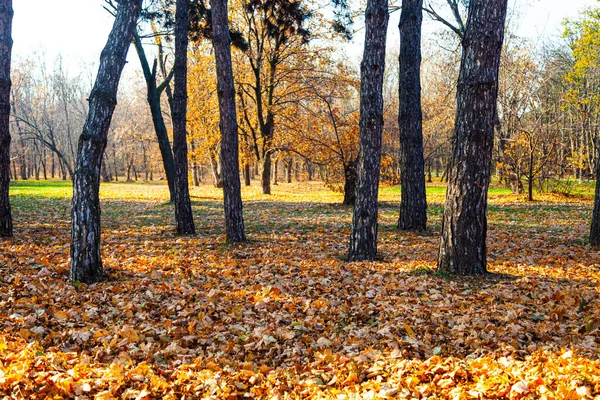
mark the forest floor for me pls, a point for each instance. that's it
(284, 315)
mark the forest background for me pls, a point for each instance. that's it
(284, 314)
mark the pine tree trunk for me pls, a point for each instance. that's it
(464, 227)
(413, 203)
(86, 263)
(183, 205)
(6, 15)
(234, 220)
(363, 239)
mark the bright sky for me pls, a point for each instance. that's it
(77, 29)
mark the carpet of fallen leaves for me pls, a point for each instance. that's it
(284, 316)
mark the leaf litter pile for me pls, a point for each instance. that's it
(284, 316)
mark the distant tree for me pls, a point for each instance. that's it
(183, 205)
(276, 31)
(363, 238)
(413, 203)
(234, 220)
(324, 126)
(86, 262)
(6, 15)
(47, 106)
(464, 226)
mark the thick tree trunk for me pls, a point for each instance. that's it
(413, 203)
(86, 263)
(234, 220)
(6, 16)
(464, 227)
(160, 129)
(183, 205)
(363, 239)
(350, 179)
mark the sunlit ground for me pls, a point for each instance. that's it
(284, 315)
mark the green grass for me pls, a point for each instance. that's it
(51, 189)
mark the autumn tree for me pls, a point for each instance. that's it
(203, 111)
(6, 15)
(464, 225)
(86, 262)
(183, 205)
(234, 221)
(363, 238)
(413, 204)
(583, 95)
(276, 31)
(324, 126)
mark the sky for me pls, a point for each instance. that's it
(77, 29)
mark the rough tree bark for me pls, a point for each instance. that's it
(363, 239)
(86, 264)
(413, 203)
(183, 205)
(234, 219)
(153, 96)
(464, 227)
(6, 15)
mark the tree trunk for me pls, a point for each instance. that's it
(160, 129)
(595, 227)
(114, 147)
(6, 16)
(234, 219)
(86, 263)
(266, 174)
(413, 203)
(464, 227)
(288, 171)
(183, 205)
(214, 166)
(276, 173)
(309, 171)
(363, 239)
(350, 178)
(43, 160)
(530, 174)
(104, 172)
(247, 174)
